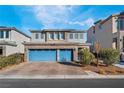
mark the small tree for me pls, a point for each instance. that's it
(109, 56)
(97, 48)
(85, 56)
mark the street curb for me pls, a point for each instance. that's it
(62, 77)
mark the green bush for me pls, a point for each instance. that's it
(85, 56)
(11, 60)
(109, 56)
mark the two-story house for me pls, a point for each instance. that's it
(11, 41)
(54, 45)
(109, 32)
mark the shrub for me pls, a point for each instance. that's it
(85, 56)
(109, 56)
(11, 60)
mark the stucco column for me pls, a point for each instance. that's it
(4, 50)
(58, 54)
(65, 35)
(46, 36)
(26, 55)
(75, 54)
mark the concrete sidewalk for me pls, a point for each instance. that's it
(62, 77)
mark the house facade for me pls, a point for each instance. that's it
(109, 32)
(11, 41)
(54, 45)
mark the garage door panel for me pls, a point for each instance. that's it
(42, 55)
(65, 55)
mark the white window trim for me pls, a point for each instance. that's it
(72, 36)
(50, 36)
(55, 33)
(81, 34)
(41, 35)
(77, 36)
(36, 34)
(60, 36)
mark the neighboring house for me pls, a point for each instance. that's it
(11, 41)
(54, 45)
(109, 32)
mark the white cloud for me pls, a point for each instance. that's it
(52, 16)
(88, 22)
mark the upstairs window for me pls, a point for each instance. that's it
(36, 36)
(7, 34)
(100, 26)
(93, 31)
(76, 36)
(81, 36)
(61, 35)
(51, 35)
(56, 35)
(71, 36)
(42, 35)
(121, 25)
(1, 34)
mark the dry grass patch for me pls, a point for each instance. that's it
(109, 70)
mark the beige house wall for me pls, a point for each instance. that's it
(90, 35)
(33, 39)
(66, 39)
(19, 39)
(79, 40)
(104, 34)
(11, 50)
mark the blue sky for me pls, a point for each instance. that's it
(41, 17)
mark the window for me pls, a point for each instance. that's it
(61, 35)
(94, 31)
(42, 35)
(7, 34)
(115, 41)
(76, 36)
(1, 34)
(56, 35)
(100, 26)
(121, 25)
(123, 44)
(81, 36)
(71, 36)
(1, 51)
(51, 35)
(36, 36)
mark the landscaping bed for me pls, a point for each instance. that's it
(105, 70)
(101, 63)
(11, 60)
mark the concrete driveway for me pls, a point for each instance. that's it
(43, 69)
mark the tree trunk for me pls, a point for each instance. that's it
(97, 60)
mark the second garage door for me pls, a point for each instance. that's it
(65, 55)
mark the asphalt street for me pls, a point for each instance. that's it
(62, 83)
